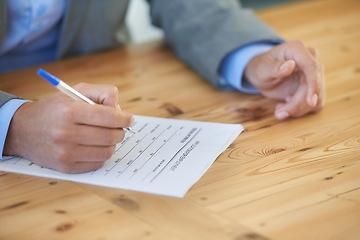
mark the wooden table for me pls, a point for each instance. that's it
(293, 179)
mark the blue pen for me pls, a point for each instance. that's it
(67, 89)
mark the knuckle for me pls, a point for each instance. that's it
(81, 86)
(298, 43)
(314, 66)
(63, 156)
(314, 52)
(59, 134)
(110, 91)
(67, 111)
(312, 49)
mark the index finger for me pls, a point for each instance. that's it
(101, 94)
(96, 115)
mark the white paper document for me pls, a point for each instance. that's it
(164, 156)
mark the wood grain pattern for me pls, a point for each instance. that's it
(293, 179)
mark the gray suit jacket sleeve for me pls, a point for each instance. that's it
(203, 32)
(5, 97)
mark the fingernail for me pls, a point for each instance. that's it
(283, 65)
(118, 107)
(314, 100)
(281, 115)
(132, 121)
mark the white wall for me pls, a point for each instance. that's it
(138, 20)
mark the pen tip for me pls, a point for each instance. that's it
(131, 130)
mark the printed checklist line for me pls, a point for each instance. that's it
(175, 155)
(153, 154)
(121, 158)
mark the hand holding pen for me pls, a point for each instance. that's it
(63, 87)
(70, 136)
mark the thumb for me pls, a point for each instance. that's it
(284, 68)
(265, 71)
(274, 72)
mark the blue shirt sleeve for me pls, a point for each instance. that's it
(6, 113)
(233, 65)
